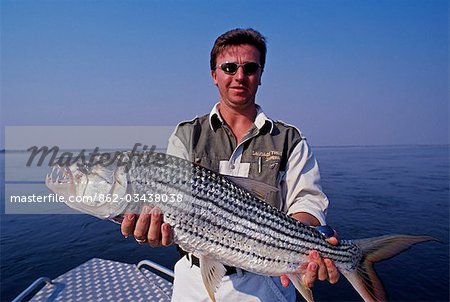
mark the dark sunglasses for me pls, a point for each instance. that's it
(231, 68)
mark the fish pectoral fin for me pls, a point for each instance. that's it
(212, 273)
(305, 291)
(260, 189)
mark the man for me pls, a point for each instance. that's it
(238, 139)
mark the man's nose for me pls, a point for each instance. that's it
(240, 74)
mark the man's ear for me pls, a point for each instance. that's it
(260, 76)
(214, 76)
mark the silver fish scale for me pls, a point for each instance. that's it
(217, 218)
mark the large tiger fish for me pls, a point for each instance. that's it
(222, 220)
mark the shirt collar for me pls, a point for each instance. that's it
(261, 120)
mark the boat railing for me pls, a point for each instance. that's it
(156, 266)
(40, 281)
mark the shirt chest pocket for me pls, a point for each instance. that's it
(265, 171)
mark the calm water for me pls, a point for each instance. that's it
(373, 190)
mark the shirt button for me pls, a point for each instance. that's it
(232, 167)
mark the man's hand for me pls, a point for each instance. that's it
(147, 227)
(317, 268)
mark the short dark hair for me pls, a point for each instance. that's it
(239, 36)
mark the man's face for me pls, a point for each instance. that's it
(238, 90)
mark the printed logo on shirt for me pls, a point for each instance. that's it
(268, 155)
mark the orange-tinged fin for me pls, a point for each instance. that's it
(305, 291)
(364, 279)
(212, 273)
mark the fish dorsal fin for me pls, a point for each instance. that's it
(305, 291)
(257, 188)
(212, 274)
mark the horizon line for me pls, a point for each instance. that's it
(312, 146)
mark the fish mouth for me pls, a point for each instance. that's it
(61, 181)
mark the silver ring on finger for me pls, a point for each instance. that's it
(141, 241)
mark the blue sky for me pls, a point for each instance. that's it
(344, 72)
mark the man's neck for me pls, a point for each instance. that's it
(239, 120)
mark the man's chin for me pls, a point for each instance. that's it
(242, 102)
(241, 99)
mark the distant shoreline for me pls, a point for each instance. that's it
(313, 146)
(383, 146)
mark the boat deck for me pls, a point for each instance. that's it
(106, 280)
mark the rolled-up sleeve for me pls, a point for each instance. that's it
(300, 185)
(175, 147)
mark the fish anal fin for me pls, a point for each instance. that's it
(366, 283)
(212, 273)
(305, 291)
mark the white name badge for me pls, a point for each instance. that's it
(236, 169)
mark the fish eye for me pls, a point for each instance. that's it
(85, 168)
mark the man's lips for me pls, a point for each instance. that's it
(240, 88)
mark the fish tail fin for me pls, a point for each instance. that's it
(364, 278)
